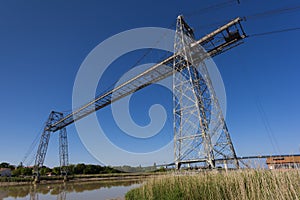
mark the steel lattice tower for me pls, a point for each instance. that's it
(63, 152)
(200, 131)
(63, 145)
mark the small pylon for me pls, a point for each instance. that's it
(43, 146)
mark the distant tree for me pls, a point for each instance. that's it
(56, 170)
(90, 169)
(79, 168)
(4, 165)
(71, 168)
(44, 170)
(11, 167)
(109, 170)
(16, 172)
(25, 171)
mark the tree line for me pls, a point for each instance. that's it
(80, 168)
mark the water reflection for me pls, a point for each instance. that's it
(70, 190)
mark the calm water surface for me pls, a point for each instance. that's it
(69, 191)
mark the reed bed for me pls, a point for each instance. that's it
(239, 185)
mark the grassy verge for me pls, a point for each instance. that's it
(250, 184)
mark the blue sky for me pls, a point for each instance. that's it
(42, 45)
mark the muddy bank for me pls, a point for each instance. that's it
(85, 178)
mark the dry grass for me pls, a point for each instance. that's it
(239, 185)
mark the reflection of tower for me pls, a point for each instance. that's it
(200, 131)
(34, 196)
(33, 193)
(60, 190)
(62, 195)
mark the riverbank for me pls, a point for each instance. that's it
(239, 185)
(82, 178)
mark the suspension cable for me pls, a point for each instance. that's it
(33, 145)
(259, 15)
(274, 32)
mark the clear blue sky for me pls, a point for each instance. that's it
(43, 43)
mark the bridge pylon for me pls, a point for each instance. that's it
(54, 117)
(200, 131)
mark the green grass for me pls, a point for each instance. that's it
(239, 185)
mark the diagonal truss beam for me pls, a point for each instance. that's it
(217, 42)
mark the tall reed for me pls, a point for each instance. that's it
(239, 185)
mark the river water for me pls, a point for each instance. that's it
(69, 191)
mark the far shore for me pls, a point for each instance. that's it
(85, 178)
